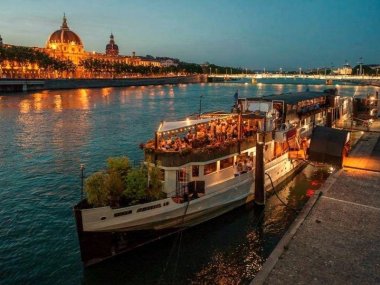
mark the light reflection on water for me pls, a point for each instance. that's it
(44, 138)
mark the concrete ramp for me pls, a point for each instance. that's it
(327, 145)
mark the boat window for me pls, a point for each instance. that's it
(209, 168)
(182, 175)
(122, 213)
(195, 170)
(224, 163)
(148, 208)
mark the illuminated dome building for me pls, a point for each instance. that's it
(112, 49)
(65, 44)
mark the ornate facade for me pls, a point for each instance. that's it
(65, 45)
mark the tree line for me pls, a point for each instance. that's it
(26, 55)
(23, 56)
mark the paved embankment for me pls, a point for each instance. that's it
(336, 238)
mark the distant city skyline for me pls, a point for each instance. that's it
(249, 34)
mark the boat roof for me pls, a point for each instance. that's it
(291, 98)
(175, 125)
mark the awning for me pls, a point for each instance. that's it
(171, 126)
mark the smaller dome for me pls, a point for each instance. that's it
(111, 47)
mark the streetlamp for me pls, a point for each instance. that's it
(210, 70)
(360, 66)
(200, 105)
(82, 178)
(300, 69)
(280, 70)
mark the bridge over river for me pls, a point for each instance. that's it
(363, 79)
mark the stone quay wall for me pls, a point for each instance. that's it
(53, 84)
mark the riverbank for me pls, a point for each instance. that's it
(336, 238)
(18, 85)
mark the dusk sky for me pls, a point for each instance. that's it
(241, 33)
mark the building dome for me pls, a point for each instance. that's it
(64, 36)
(111, 47)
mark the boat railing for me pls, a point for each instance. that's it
(276, 159)
(209, 152)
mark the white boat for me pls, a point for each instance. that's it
(204, 181)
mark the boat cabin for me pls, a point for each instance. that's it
(200, 153)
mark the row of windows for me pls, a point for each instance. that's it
(148, 208)
(122, 213)
(211, 167)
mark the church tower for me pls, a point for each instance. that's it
(112, 48)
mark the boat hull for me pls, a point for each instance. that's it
(102, 242)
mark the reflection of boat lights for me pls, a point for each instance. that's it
(314, 183)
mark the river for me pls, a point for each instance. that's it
(45, 136)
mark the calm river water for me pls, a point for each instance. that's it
(45, 136)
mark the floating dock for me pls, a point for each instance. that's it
(336, 238)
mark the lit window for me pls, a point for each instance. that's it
(195, 170)
(209, 168)
(226, 162)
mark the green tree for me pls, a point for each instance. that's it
(115, 186)
(98, 194)
(121, 165)
(155, 184)
(137, 182)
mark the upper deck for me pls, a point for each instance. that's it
(215, 135)
(204, 139)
